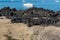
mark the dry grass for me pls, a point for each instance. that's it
(22, 32)
(19, 31)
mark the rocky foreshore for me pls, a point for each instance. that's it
(32, 16)
(31, 24)
(20, 31)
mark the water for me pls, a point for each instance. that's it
(18, 4)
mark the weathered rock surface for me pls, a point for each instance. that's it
(20, 31)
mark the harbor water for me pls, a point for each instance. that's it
(18, 4)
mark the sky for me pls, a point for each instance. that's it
(48, 4)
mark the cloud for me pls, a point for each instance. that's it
(28, 5)
(57, 1)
